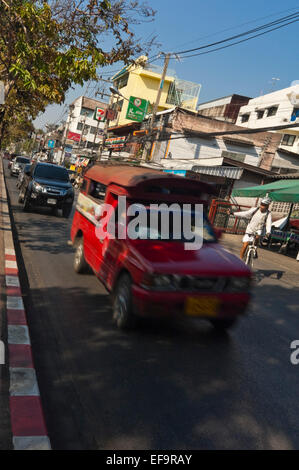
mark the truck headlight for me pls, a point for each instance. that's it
(37, 187)
(162, 282)
(239, 284)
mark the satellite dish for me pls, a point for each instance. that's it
(295, 82)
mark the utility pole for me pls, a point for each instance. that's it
(66, 134)
(148, 145)
(83, 128)
(105, 133)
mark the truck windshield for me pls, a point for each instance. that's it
(51, 172)
(22, 160)
(168, 230)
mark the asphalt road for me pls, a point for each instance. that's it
(178, 386)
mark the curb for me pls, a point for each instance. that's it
(27, 418)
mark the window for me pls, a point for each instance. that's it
(245, 117)
(288, 139)
(240, 157)
(272, 111)
(295, 114)
(93, 130)
(121, 81)
(87, 112)
(260, 113)
(97, 190)
(51, 172)
(80, 126)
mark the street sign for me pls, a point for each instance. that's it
(51, 144)
(137, 109)
(100, 114)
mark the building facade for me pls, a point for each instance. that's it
(276, 109)
(142, 80)
(223, 109)
(82, 131)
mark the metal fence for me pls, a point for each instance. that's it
(219, 217)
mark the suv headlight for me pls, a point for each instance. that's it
(239, 284)
(37, 187)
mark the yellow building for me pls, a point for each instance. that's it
(142, 80)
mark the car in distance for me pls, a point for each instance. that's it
(18, 165)
(47, 185)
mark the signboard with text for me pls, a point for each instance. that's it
(73, 136)
(115, 142)
(137, 109)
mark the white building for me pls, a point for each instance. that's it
(82, 131)
(276, 109)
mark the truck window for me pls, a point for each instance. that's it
(97, 190)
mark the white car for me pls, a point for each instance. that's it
(18, 164)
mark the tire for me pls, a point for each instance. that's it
(20, 198)
(222, 324)
(26, 202)
(80, 265)
(66, 211)
(248, 258)
(123, 315)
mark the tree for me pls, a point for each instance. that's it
(45, 48)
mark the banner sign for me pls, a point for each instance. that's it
(137, 109)
(114, 142)
(73, 136)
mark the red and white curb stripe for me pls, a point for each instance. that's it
(27, 419)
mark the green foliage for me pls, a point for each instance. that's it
(45, 48)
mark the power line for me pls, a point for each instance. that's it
(235, 27)
(213, 134)
(245, 33)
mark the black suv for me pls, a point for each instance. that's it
(48, 185)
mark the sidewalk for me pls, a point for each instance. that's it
(5, 426)
(22, 425)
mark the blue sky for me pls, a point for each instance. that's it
(245, 69)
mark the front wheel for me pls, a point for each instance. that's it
(66, 211)
(248, 258)
(222, 324)
(20, 198)
(122, 304)
(80, 265)
(26, 203)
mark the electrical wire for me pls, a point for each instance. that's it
(245, 33)
(235, 27)
(239, 42)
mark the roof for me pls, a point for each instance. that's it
(287, 152)
(287, 176)
(251, 168)
(231, 172)
(223, 98)
(130, 177)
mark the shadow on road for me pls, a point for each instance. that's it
(163, 385)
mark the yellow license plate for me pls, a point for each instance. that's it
(202, 306)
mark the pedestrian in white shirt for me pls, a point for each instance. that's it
(260, 223)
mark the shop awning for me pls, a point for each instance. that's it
(263, 190)
(286, 195)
